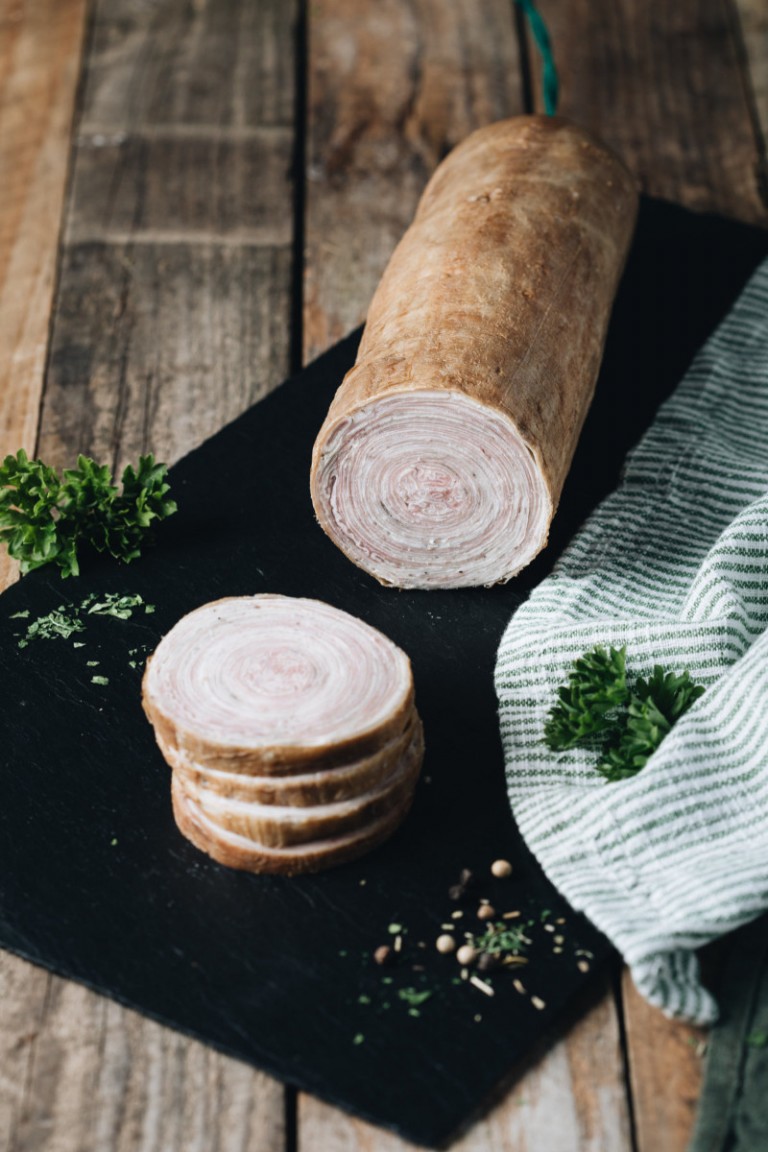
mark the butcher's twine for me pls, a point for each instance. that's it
(549, 80)
(674, 565)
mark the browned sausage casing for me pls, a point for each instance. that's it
(443, 456)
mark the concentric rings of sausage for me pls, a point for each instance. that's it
(276, 685)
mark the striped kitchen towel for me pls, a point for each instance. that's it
(674, 565)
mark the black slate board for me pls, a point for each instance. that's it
(95, 881)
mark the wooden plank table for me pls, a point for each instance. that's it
(199, 196)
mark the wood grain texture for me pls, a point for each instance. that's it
(172, 316)
(392, 86)
(753, 22)
(156, 346)
(173, 312)
(571, 1100)
(40, 48)
(93, 1075)
(664, 85)
(665, 1067)
(222, 65)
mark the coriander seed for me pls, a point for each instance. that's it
(445, 944)
(501, 869)
(383, 955)
(466, 954)
(486, 912)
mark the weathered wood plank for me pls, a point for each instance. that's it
(392, 87)
(172, 316)
(173, 313)
(155, 347)
(663, 84)
(572, 1100)
(665, 1066)
(164, 187)
(753, 19)
(221, 64)
(40, 47)
(96, 1076)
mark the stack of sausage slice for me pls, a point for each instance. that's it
(291, 729)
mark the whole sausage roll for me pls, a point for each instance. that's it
(443, 456)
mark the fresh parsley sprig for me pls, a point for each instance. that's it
(44, 518)
(589, 703)
(625, 721)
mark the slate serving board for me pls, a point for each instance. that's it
(97, 884)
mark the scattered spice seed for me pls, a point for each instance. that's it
(445, 944)
(383, 955)
(481, 984)
(519, 987)
(457, 915)
(466, 881)
(583, 965)
(549, 927)
(487, 962)
(466, 954)
(559, 939)
(501, 869)
(486, 912)
(538, 1002)
(398, 944)
(511, 916)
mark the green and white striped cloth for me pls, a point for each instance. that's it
(674, 565)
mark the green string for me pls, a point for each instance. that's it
(549, 81)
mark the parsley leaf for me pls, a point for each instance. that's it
(588, 704)
(626, 722)
(44, 518)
